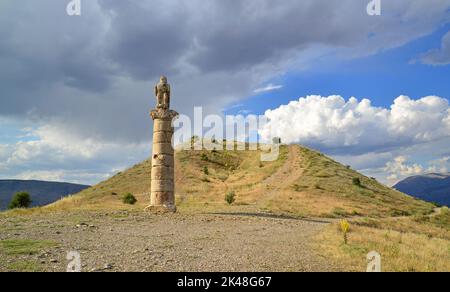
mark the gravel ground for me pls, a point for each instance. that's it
(135, 241)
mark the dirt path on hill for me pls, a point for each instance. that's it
(285, 176)
(136, 241)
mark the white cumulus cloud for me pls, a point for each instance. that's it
(399, 168)
(357, 127)
(439, 165)
(402, 167)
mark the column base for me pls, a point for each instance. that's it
(161, 209)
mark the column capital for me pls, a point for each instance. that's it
(163, 114)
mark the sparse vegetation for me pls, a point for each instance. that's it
(204, 157)
(129, 199)
(398, 242)
(194, 140)
(317, 186)
(345, 228)
(20, 200)
(441, 219)
(24, 266)
(339, 212)
(230, 197)
(327, 190)
(313, 185)
(23, 246)
(356, 181)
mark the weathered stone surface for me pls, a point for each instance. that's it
(163, 173)
(162, 137)
(162, 186)
(162, 126)
(163, 160)
(162, 199)
(163, 148)
(161, 209)
(162, 93)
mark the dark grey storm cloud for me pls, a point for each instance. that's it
(93, 74)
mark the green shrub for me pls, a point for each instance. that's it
(129, 199)
(20, 200)
(357, 181)
(230, 197)
(204, 157)
(437, 205)
(339, 212)
(399, 213)
(206, 170)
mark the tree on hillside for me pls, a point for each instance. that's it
(20, 200)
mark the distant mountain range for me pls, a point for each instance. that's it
(430, 187)
(42, 193)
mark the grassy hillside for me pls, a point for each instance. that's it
(194, 188)
(418, 243)
(302, 182)
(329, 189)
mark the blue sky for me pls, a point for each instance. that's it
(381, 77)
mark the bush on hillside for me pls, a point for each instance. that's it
(129, 199)
(357, 181)
(204, 157)
(20, 200)
(230, 197)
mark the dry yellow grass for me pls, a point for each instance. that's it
(302, 182)
(228, 170)
(327, 188)
(404, 245)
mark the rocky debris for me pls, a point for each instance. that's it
(85, 225)
(179, 242)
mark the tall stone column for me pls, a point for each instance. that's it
(162, 196)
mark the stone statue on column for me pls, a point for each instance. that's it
(162, 93)
(162, 196)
